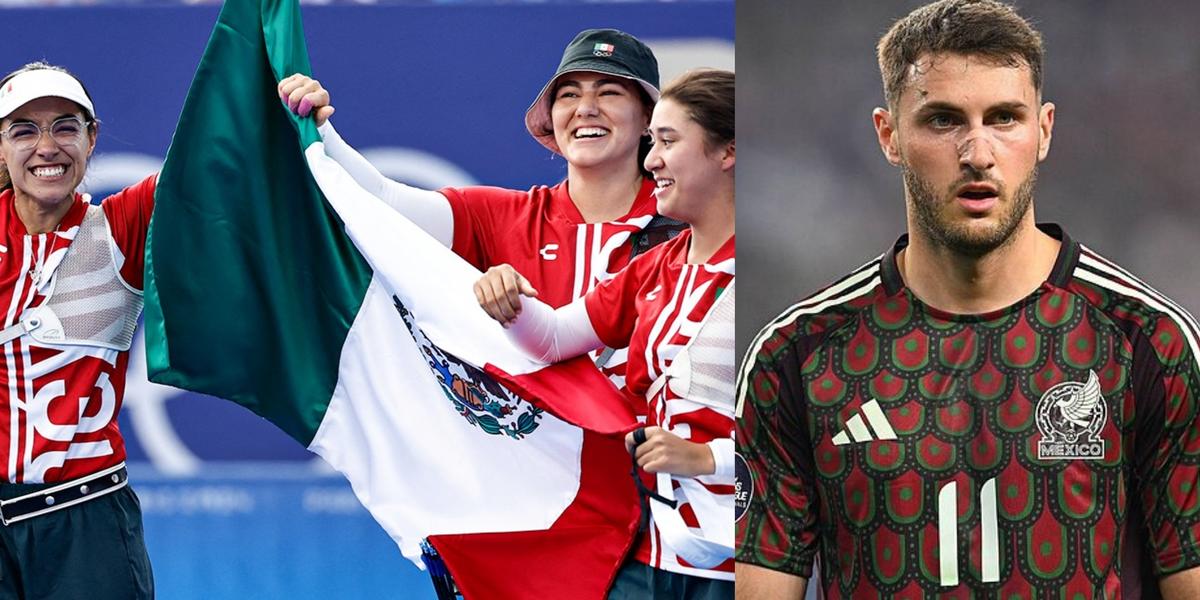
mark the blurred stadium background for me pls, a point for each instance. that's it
(818, 199)
(435, 93)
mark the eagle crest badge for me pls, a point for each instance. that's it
(1070, 416)
(476, 397)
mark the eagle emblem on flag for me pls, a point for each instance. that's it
(477, 397)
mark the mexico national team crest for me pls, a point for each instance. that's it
(1070, 416)
(477, 397)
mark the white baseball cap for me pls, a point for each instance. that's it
(42, 83)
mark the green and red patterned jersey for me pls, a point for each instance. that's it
(1050, 449)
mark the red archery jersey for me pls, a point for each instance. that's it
(654, 307)
(61, 401)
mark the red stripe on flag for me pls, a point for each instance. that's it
(577, 558)
(576, 392)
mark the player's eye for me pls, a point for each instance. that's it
(567, 94)
(23, 131)
(941, 120)
(1004, 118)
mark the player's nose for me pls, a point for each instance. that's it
(975, 151)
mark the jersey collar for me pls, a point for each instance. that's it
(15, 228)
(644, 204)
(1060, 275)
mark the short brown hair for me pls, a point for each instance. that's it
(707, 96)
(984, 28)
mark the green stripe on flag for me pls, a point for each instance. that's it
(251, 284)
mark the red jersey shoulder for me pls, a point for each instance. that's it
(484, 216)
(128, 213)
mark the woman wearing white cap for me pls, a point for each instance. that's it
(70, 288)
(565, 238)
(672, 308)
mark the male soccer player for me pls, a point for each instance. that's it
(989, 409)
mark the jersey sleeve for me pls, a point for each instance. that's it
(612, 306)
(778, 528)
(128, 215)
(1167, 452)
(426, 209)
(478, 218)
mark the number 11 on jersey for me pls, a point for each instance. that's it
(948, 533)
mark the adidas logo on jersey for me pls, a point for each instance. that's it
(857, 429)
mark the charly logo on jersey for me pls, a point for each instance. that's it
(476, 396)
(1070, 416)
(549, 251)
(743, 487)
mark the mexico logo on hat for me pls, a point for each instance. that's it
(602, 49)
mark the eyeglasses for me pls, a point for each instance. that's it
(66, 131)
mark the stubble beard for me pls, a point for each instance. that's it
(959, 237)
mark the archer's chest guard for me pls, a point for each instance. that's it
(86, 301)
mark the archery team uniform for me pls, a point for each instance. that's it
(653, 308)
(541, 234)
(1050, 449)
(70, 299)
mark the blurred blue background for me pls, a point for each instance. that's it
(435, 94)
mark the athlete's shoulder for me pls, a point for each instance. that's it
(490, 193)
(1122, 296)
(819, 314)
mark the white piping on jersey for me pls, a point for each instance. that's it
(655, 545)
(853, 285)
(726, 266)
(30, 403)
(14, 404)
(594, 259)
(1188, 322)
(664, 318)
(1147, 295)
(592, 267)
(581, 262)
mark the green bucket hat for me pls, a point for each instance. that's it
(605, 51)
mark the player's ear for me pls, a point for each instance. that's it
(885, 130)
(1045, 128)
(729, 157)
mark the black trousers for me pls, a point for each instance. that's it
(638, 581)
(90, 551)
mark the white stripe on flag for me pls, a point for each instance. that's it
(412, 459)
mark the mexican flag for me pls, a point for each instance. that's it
(274, 281)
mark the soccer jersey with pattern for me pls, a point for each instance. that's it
(1046, 450)
(61, 401)
(654, 307)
